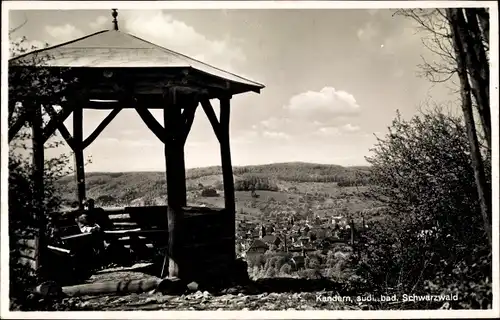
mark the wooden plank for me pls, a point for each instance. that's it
(120, 217)
(125, 224)
(78, 154)
(29, 243)
(59, 250)
(121, 232)
(115, 210)
(104, 123)
(76, 236)
(29, 253)
(127, 238)
(148, 245)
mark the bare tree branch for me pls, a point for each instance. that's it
(11, 31)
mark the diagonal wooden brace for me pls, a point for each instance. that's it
(100, 127)
(59, 125)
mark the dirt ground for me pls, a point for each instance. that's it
(230, 299)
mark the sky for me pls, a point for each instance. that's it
(333, 78)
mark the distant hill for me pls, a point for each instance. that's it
(127, 186)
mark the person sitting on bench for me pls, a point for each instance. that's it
(86, 221)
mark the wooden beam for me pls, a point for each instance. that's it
(100, 127)
(119, 286)
(176, 183)
(227, 168)
(78, 151)
(152, 124)
(60, 126)
(174, 150)
(37, 176)
(209, 111)
(20, 122)
(188, 116)
(54, 122)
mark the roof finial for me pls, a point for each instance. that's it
(115, 22)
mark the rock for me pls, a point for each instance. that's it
(49, 288)
(193, 286)
(171, 286)
(240, 294)
(206, 294)
(244, 309)
(231, 290)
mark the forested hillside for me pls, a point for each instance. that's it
(127, 186)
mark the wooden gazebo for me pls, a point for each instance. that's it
(116, 70)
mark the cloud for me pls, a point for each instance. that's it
(275, 123)
(99, 22)
(276, 135)
(338, 131)
(323, 105)
(312, 114)
(64, 32)
(162, 29)
(245, 137)
(368, 32)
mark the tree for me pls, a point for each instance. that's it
(471, 59)
(460, 37)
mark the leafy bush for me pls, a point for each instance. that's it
(27, 216)
(209, 192)
(422, 172)
(285, 269)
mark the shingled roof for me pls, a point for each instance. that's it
(117, 49)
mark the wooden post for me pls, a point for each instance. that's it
(227, 168)
(79, 161)
(176, 182)
(38, 171)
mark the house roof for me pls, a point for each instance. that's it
(117, 49)
(258, 244)
(269, 238)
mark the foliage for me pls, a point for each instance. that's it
(254, 182)
(209, 192)
(421, 170)
(28, 89)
